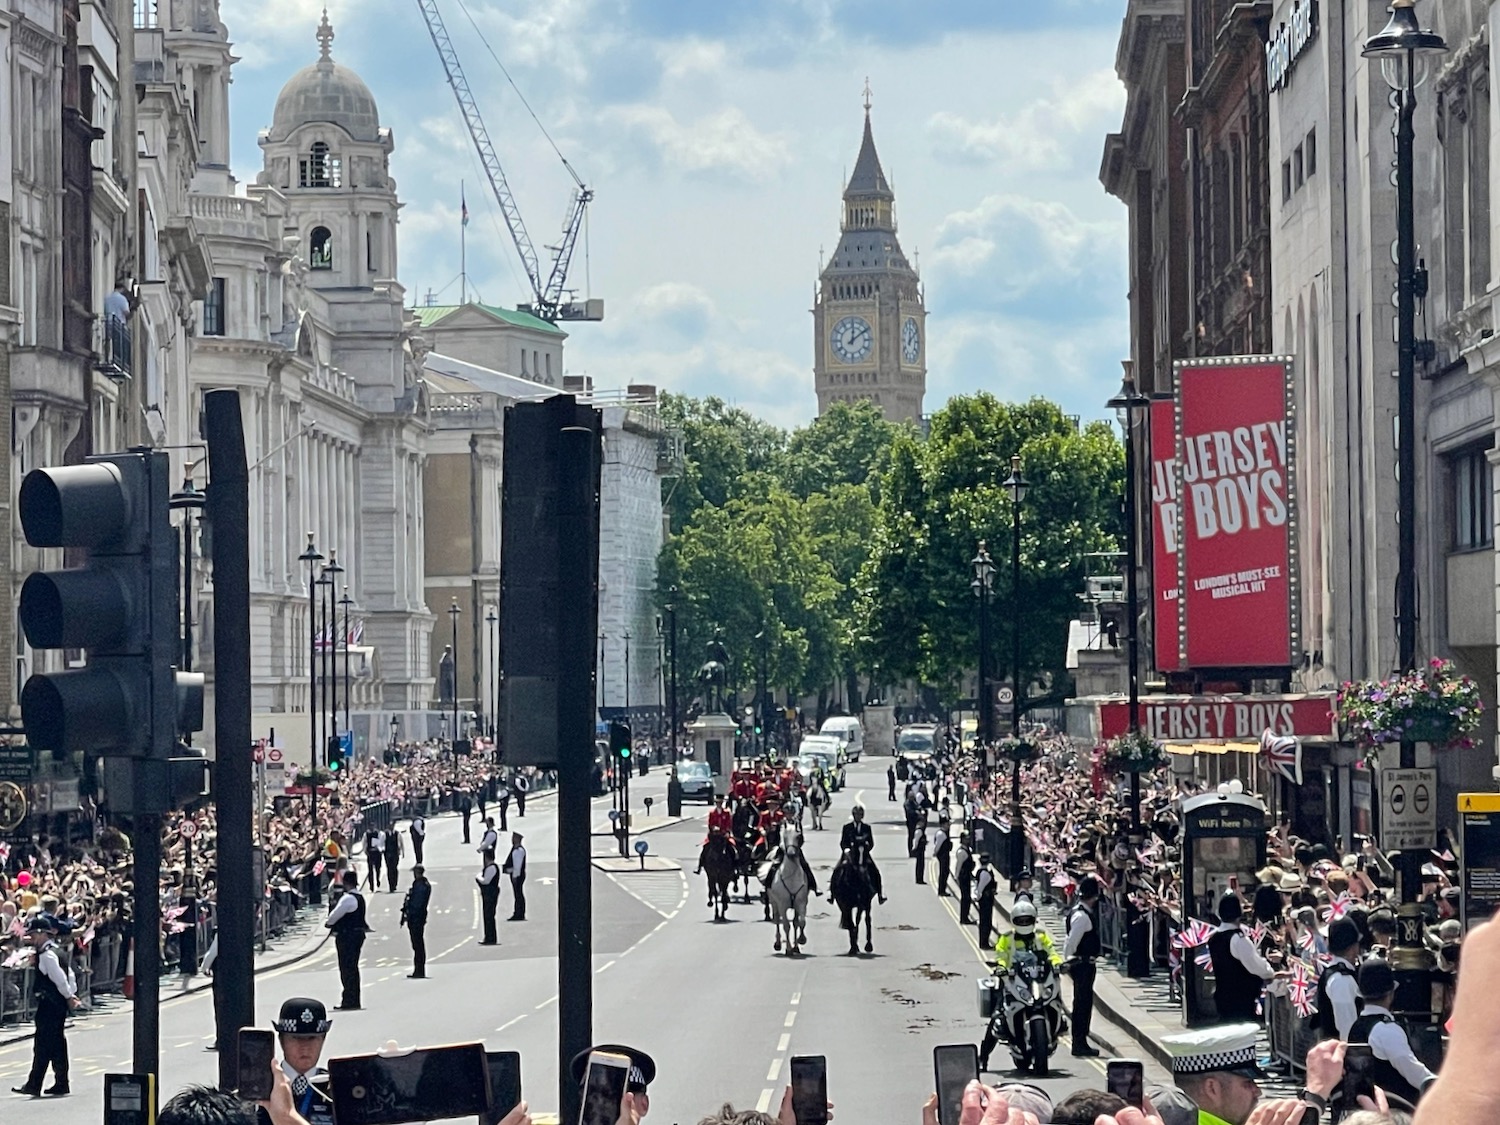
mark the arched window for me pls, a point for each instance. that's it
(321, 249)
(320, 168)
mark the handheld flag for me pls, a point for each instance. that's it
(1283, 754)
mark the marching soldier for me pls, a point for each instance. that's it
(347, 921)
(301, 1030)
(56, 996)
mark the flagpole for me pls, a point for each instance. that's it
(463, 248)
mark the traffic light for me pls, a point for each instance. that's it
(619, 741)
(335, 756)
(119, 605)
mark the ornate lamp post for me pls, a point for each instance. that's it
(492, 620)
(627, 675)
(312, 558)
(328, 581)
(187, 500)
(453, 612)
(982, 584)
(345, 602)
(1125, 405)
(672, 668)
(1017, 486)
(1402, 48)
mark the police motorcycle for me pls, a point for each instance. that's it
(1024, 1007)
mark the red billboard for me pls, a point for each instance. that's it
(1236, 481)
(1164, 515)
(1234, 718)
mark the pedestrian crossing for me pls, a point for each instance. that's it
(663, 891)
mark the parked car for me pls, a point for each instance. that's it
(697, 782)
(850, 730)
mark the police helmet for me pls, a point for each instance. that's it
(1023, 918)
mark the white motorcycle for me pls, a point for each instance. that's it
(1025, 1010)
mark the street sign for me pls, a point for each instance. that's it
(1479, 844)
(188, 828)
(1004, 696)
(258, 752)
(273, 755)
(1408, 808)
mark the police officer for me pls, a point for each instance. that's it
(520, 785)
(347, 921)
(1240, 972)
(56, 996)
(942, 851)
(1082, 949)
(418, 832)
(489, 897)
(466, 807)
(490, 841)
(1396, 1070)
(394, 853)
(515, 867)
(302, 1027)
(642, 1071)
(985, 886)
(414, 918)
(965, 879)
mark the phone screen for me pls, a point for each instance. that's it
(1126, 1078)
(505, 1084)
(955, 1067)
(1359, 1064)
(603, 1089)
(256, 1048)
(422, 1085)
(810, 1089)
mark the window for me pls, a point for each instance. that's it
(213, 309)
(320, 169)
(1297, 172)
(1473, 502)
(1310, 152)
(321, 256)
(1286, 181)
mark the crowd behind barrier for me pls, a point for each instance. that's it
(83, 872)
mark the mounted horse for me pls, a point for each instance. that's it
(853, 888)
(818, 801)
(719, 865)
(786, 898)
(749, 854)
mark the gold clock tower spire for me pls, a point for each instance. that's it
(869, 321)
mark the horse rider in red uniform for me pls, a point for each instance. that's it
(720, 817)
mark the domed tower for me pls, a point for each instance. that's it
(869, 321)
(328, 153)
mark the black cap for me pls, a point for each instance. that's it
(302, 1015)
(1230, 908)
(1343, 933)
(642, 1065)
(1375, 978)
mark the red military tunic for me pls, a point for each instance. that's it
(722, 819)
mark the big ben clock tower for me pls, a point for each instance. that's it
(869, 324)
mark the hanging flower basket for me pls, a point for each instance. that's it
(1017, 750)
(1134, 752)
(1436, 704)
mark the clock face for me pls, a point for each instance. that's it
(852, 339)
(13, 806)
(911, 340)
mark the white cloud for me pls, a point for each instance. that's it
(720, 143)
(1043, 134)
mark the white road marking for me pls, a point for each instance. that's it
(774, 1071)
(796, 999)
(781, 1044)
(764, 1102)
(509, 1023)
(791, 1018)
(544, 1003)
(604, 966)
(475, 924)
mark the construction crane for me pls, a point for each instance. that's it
(547, 294)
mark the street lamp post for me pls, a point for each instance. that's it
(312, 558)
(627, 675)
(188, 500)
(395, 727)
(329, 581)
(492, 620)
(661, 675)
(345, 602)
(982, 583)
(1017, 486)
(603, 699)
(453, 612)
(1402, 47)
(1126, 404)
(672, 667)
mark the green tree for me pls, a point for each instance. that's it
(727, 453)
(850, 443)
(945, 495)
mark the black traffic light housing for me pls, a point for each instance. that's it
(619, 741)
(334, 756)
(120, 605)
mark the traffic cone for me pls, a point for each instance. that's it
(128, 986)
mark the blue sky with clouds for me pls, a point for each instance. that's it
(717, 135)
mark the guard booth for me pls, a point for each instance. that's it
(1223, 846)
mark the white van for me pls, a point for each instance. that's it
(848, 728)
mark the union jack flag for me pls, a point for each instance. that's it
(1195, 935)
(4, 852)
(1283, 754)
(1338, 907)
(318, 868)
(356, 634)
(1307, 940)
(1256, 934)
(1301, 988)
(18, 926)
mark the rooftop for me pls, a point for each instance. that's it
(428, 315)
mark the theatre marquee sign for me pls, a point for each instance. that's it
(1289, 40)
(1232, 718)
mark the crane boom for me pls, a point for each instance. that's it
(547, 296)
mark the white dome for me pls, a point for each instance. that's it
(326, 93)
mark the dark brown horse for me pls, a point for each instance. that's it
(852, 887)
(719, 866)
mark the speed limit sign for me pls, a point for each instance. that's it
(1004, 695)
(188, 828)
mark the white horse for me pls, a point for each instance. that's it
(786, 894)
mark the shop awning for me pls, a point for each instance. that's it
(1189, 748)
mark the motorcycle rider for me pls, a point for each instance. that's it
(1023, 936)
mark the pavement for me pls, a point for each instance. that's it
(721, 1011)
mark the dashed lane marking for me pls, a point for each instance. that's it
(781, 1045)
(775, 1071)
(791, 1018)
(512, 1022)
(763, 1103)
(604, 966)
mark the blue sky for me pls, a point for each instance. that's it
(717, 135)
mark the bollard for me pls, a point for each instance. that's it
(640, 850)
(648, 805)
